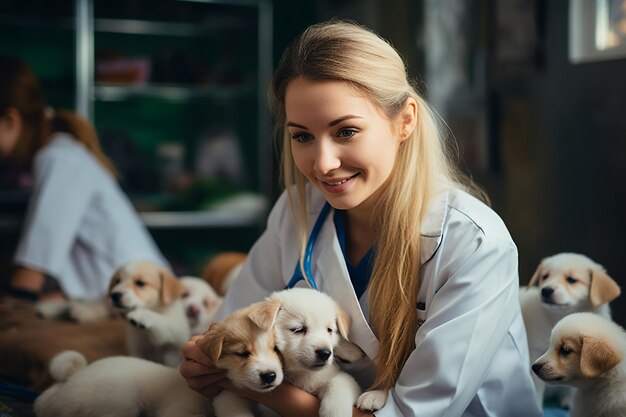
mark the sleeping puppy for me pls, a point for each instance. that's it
(586, 351)
(150, 298)
(309, 328)
(562, 284)
(117, 386)
(243, 344)
(200, 303)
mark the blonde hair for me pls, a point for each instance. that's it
(20, 89)
(345, 51)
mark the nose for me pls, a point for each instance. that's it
(322, 354)
(537, 367)
(193, 311)
(326, 157)
(267, 377)
(116, 297)
(546, 292)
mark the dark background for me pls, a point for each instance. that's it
(554, 131)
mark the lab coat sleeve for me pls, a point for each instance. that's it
(468, 318)
(62, 189)
(260, 274)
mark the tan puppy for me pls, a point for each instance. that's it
(222, 269)
(243, 344)
(150, 298)
(309, 329)
(586, 351)
(117, 386)
(562, 284)
(200, 302)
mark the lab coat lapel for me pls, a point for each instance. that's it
(336, 281)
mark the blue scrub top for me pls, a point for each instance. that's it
(359, 274)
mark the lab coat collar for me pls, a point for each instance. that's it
(332, 267)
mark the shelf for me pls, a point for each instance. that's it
(110, 92)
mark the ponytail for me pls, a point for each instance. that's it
(84, 132)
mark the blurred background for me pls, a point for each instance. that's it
(534, 92)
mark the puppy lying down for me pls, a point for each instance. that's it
(587, 352)
(123, 386)
(118, 386)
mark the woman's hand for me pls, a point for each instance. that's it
(201, 375)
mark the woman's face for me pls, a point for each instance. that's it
(10, 129)
(340, 141)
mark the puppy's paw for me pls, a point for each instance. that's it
(140, 318)
(372, 400)
(52, 309)
(89, 311)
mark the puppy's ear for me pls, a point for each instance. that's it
(212, 342)
(263, 314)
(603, 288)
(115, 279)
(597, 357)
(343, 323)
(171, 287)
(534, 280)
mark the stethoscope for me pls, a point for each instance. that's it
(308, 253)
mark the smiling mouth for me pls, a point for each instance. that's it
(335, 183)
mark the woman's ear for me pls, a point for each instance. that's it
(407, 119)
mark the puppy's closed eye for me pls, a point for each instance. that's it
(564, 351)
(571, 280)
(301, 330)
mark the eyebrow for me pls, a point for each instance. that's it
(331, 124)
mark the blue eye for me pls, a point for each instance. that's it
(301, 137)
(347, 133)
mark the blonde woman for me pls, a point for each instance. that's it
(427, 271)
(80, 227)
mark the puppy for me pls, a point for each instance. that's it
(200, 302)
(118, 386)
(562, 284)
(586, 351)
(150, 298)
(309, 327)
(222, 269)
(243, 344)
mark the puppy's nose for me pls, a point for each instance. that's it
(546, 292)
(193, 311)
(268, 377)
(323, 354)
(116, 297)
(537, 368)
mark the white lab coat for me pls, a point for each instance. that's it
(80, 226)
(471, 356)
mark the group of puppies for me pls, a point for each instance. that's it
(296, 335)
(573, 342)
(299, 335)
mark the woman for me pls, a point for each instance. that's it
(427, 272)
(80, 226)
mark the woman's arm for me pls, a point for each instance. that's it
(287, 400)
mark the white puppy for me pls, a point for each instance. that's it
(309, 327)
(150, 298)
(118, 386)
(562, 284)
(200, 302)
(243, 344)
(586, 351)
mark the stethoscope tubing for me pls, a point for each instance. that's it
(308, 253)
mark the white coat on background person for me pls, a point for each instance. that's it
(471, 356)
(80, 227)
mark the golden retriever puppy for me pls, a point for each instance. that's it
(309, 328)
(222, 269)
(243, 344)
(562, 284)
(118, 386)
(150, 298)
(587, 351)
(200, 302)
